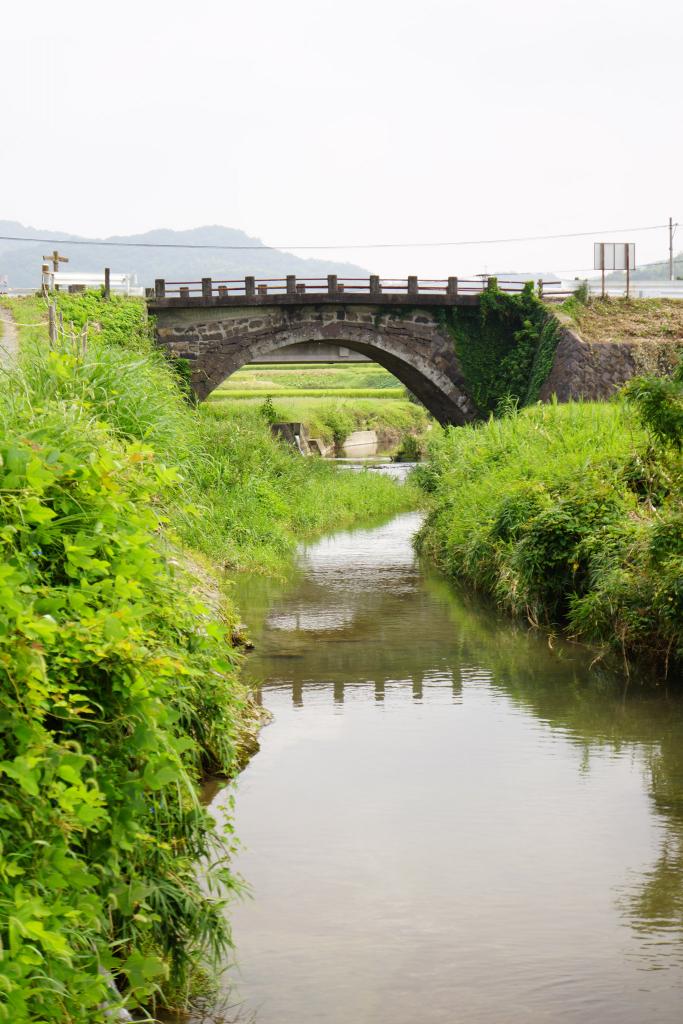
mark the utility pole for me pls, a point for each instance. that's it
(671, 249)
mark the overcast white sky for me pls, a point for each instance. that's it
(311, 121)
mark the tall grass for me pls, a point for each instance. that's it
(332, 419)
(238, 495)
(106, 721)
(556, 511)
(118, 684)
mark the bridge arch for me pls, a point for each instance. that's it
(413, 348)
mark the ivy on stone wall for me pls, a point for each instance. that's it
(505, 344)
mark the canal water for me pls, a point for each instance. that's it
(450, 819)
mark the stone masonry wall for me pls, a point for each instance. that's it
(596, 370)
(218, 341)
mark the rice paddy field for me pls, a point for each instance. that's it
(357, 380)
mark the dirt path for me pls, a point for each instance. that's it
(9, 338)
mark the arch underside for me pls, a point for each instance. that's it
(409, 360)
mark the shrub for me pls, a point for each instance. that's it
(660, 406)
(582, 293)
(410, 449)
(106, 722)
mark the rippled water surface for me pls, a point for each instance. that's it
(447, 820)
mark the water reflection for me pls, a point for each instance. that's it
(448, 819)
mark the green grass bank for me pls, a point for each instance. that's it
(570, 515)
(332, 419)
(121, 507)
(331, 400)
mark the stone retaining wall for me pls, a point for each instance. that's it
(596, 370)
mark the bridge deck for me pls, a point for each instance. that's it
(286, 291)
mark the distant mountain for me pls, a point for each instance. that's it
(21, 261)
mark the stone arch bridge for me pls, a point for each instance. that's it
(219, 326)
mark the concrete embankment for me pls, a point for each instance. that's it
(357, 444)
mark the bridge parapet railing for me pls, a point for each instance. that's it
(332, 286)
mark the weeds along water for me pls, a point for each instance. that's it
(571, 516)
(121, 508)
(330, 400)
(332, 419)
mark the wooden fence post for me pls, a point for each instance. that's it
(52, 324)
(107, 282)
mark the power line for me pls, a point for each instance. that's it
(366, 245)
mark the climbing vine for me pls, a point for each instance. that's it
(505, 344)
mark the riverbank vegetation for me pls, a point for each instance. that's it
(331, 400)
(572, 516)
(120, 508)
(333, 419)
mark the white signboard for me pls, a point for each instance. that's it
(614, 256)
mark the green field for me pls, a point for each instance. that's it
(331, 400)
(302, 392)
(274, 377)
(332, 419)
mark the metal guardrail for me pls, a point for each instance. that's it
(253, 288)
